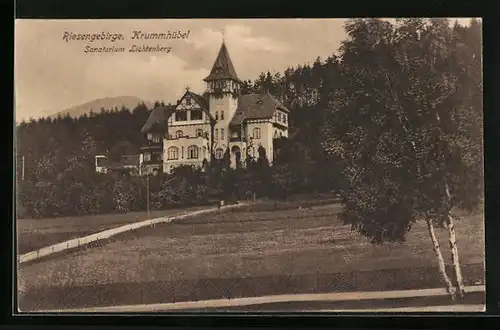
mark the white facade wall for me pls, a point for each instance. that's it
(183, 146)
(265, 139)
(223, 110)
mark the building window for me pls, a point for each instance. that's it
(284, 118)
(199, 132)
(192, 152)
(179, 134)
(173, 153)
(156, 139)
(155, 157)
(181, 116)
(216, 133)
(101, 162)
(188, 101)
(219, 153)
(216, 115)
(222, 134)
(256, 133)
(196, 115)
(147, 157)
(222, 115)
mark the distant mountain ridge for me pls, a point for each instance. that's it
(107, 103)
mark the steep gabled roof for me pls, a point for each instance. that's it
(223, 67)
(203, 102)
(159, 115)
(200, 100)
(256, 106)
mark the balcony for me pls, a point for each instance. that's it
(201, 137)
(152, 147)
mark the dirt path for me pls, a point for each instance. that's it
(311, 298)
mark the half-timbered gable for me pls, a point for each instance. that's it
(221, 121)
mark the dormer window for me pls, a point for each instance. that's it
(188, 101)
(196, 115)
(181, 116)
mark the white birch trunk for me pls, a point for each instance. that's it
(452, 237)
(440, 261)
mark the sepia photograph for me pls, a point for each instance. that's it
(249, 165)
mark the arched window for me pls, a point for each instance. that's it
(219, 153)
(256, 133)
(216, 115)
(199, 132)
(173, 153)
(222, 115)
(192, 152)
(179, 134)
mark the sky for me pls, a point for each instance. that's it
(52, 74)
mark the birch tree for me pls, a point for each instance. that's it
(405, 129)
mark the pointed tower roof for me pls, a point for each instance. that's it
(223, 66)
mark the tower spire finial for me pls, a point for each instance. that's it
(223, 32)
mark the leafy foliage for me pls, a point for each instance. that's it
(407, 125)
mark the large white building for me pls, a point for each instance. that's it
(220, 121)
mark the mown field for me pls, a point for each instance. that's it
(258, 250)
(34, 234)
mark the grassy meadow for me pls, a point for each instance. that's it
(266, 248)
(34, 234)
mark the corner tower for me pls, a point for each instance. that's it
(223, 89)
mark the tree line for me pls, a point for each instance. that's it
(393, 123)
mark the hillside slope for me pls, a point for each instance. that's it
(107, 103)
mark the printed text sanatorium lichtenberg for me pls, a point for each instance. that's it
(136, 35)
